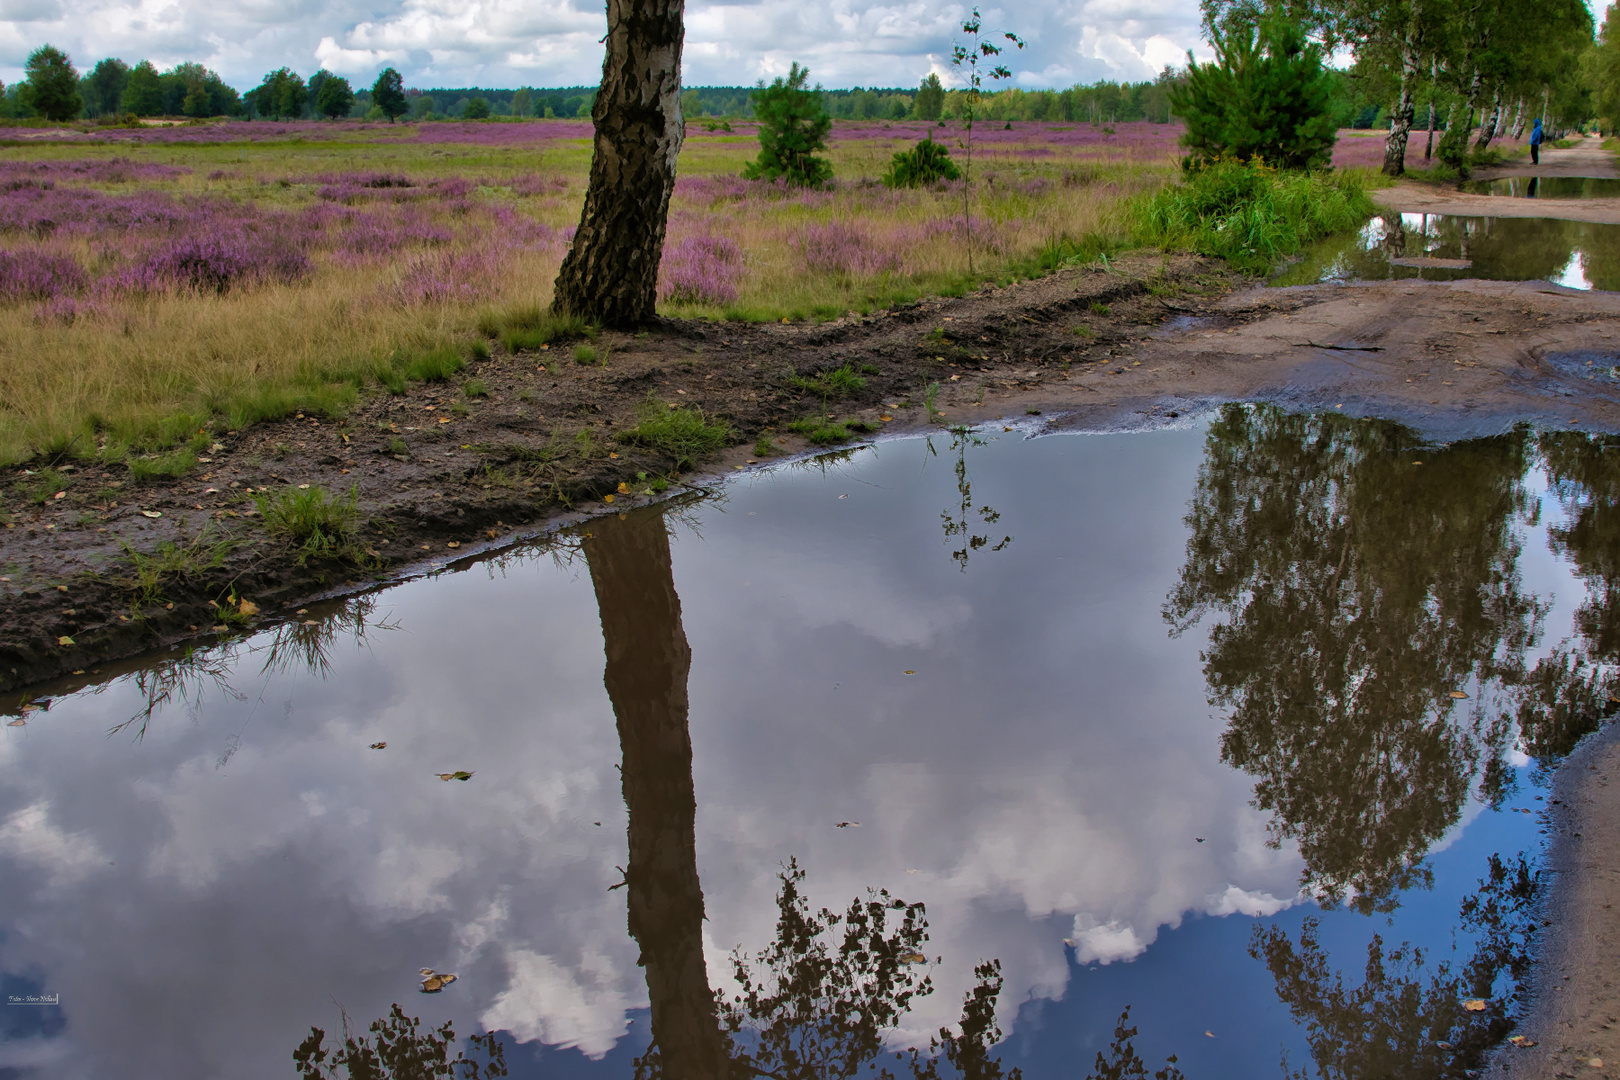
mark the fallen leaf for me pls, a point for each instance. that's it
(379, 746)
(432, 984)
(1522, 1041)
(1459, 695)
(624, 489)
(247, 607)
(453, 544)
(151, 513)
(1209, 1034)
(61, 588)
(911, 673)
(65, 640)
(310, 622)
(444, 419)
(607, 498)
(459, 774)
(847, 825)
(19, 722)
(885, 418)
(1596, 1063)
(613, 453)
(913, 958)
(59, 495)
(1474, 1005)
(303, 487)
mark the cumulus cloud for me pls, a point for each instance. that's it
(557, 42)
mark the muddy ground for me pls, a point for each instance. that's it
(1133, 343)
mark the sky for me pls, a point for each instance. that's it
(509, 43)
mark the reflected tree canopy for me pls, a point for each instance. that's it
(1359, 578)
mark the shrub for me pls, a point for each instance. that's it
(37, 275)
(681, 433)
(214, 264)
(700, 270)
(836, 248)
(1249, 215)
(926, 163)
(1267, 97)
(792, 127)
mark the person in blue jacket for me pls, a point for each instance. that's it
(1535, 142)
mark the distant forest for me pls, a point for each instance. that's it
(113, 87)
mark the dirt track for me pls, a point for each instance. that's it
(1119, 346)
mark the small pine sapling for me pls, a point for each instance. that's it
(926, 163)
(792, 127)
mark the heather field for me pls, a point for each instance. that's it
(159, 283)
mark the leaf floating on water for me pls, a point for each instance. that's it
(1474, 1005)
(847, 825)
(379, 746)
(910, 673)
(1522, 1041)
(1459, 695)
(151, 513)
(913, 958)
(459, 774)
(19, 722)
(434, 981)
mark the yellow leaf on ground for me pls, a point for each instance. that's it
(624, 489)
(607, 498)
(65, 640)
(453, 544)
(247, 607)
(151, 513)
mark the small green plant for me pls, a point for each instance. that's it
(475, 388)
(1100, 308)
(42, 487)
(531, 327)
(821, 432)
(763, 447)
(1083, 331)
(460, 409)
(319, 524)
(435, 365)
(838, 383)
(586, 354)
(930, 397)
(683, 434)
(926, 163)
(161, 466)
(969, 55)
(793, 126)
(170, 563)
(478, 350)
(397, 447)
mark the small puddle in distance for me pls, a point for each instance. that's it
(1547, 187)
(1444, 247)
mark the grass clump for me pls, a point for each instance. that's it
(170, 563)
(475, 388)
(151, 467)
(586, 354)
(319, 524)
(42, 487)
(397, 447)
(828, 432)
(684, 434)
(840, 382)
(1248, 214)
(435, 365)
(531, 327)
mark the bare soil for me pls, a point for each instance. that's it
(1140, 342)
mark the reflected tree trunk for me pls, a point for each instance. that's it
(648, 660)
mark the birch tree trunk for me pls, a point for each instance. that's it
(1493, 120)
(648, 660)
(610, 274)
(1434, 82)
(1518, 121)
(1400, 127)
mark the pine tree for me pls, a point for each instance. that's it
(792, 127)
(930, 98)
(1267, 96)
(143, 90)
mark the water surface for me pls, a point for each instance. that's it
(1443, 247)
(1547, 187)
(1106, 704)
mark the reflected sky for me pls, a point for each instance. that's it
(1016, 741)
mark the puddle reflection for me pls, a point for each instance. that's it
(1547, 187)
(711, 727)
(1441, 247)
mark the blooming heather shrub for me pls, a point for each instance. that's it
(213, 263)
(450, 277)
(700, 270)
(530, 184)
(39, 275)
(66, 310)
(836, 248)
(118, 170)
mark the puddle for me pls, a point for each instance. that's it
(1547, 187)
(1440, 247)
(1118, 709)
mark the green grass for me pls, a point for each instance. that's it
(528, 328)
(42, 487)
(1249, 215)
(170, 563)
(397, 447)
(435, 365)
(586, 354)
(829, 432)
(475, 388)
(683, 434)
(318, 524)
(161, 466)
(840, 382)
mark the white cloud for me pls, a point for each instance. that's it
(557, 42)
